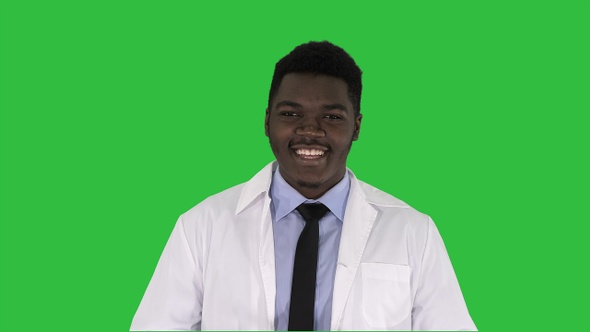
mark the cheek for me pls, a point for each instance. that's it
(274, 144)
(279, 136)
(344, 146)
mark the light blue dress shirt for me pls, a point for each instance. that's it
(287, 226)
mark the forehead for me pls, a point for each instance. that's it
(311, 87)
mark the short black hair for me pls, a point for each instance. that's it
(320, 58)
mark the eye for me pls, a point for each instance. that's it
(333, 117)
(288, 113)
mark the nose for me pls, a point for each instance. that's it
(310, 128)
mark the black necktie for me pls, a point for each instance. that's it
(301, 311)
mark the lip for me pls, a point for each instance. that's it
(313, 160)
(310, 147)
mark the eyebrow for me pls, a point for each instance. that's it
(329, 107)
(336, 107)
(289, 103)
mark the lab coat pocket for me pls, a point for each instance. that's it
(386, 294)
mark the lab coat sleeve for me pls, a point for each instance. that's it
(439, 303)
(174, 295)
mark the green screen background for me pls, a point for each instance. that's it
(118, 116)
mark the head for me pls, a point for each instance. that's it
(313, 115)
(320, 58)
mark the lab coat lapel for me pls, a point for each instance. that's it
(356, 228)
(266, 259)
(251, 192)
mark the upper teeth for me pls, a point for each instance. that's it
(310, 152)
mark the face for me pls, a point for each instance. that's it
(311, 126)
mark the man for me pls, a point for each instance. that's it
(304, 244)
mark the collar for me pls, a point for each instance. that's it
(285, 198)
(261, 182)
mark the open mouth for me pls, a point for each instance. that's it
(310, 155)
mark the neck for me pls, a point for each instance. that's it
(311, 193)
(314, 190)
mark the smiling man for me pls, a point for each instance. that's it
(305, 245)
(311, 124)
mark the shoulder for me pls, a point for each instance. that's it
(379, 197)
(392, 209)
(226, 205)
(225, 201)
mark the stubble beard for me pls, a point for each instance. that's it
(308, 184)
(315, 184)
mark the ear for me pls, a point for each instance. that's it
(266, 118)
(357, 127)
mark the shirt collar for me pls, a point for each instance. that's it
(285, 198)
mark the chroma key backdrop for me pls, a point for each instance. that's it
(118, 116)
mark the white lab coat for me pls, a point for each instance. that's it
(217, 271)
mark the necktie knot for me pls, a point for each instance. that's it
(312, 212)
